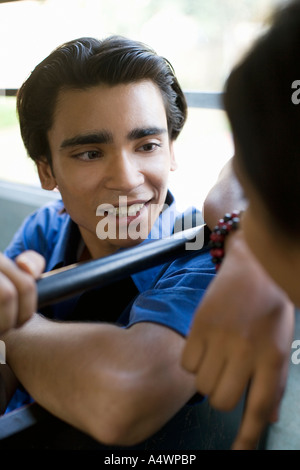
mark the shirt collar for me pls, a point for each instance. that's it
(65, 250)
(164, 224)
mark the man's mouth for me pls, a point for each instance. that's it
(125, 211)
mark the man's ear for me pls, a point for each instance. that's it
(46, 176)
(173, 162)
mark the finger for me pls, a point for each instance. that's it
(194, 348)
(8, 304)
(24, 297)
(261, 401)
(27, 299)
(275, 412)
(211, 366)
(31, 262)
(232, 382)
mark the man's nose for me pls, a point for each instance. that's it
(124, 173)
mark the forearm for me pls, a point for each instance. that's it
(225, 196)
(53, 362)
(90, 376)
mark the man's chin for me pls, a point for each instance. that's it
(128, 243)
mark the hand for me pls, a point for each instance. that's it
(241, 337)
(18, 294)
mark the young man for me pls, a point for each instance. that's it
(100, 119)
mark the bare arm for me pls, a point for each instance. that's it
(243, 329)
(241, 336)
(118, 385)
(225, 196)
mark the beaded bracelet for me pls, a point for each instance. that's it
(218, 235)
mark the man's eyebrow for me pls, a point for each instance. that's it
(102, 137)
(141, 132)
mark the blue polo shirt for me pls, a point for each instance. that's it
(167, 294)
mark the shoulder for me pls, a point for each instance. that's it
(172, 292)
(194, 269)
(47, 220)
(39, 230)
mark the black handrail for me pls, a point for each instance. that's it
(60, 284)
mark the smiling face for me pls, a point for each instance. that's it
(110, 148)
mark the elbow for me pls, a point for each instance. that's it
(121, 430)
(112, 433)
(123, 421)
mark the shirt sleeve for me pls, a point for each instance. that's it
(176, 294)
(37, 232)
(23, 239)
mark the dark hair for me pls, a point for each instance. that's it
(87, 62)
(265, 121)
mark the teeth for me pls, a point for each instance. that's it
(125, 211)
(132, 210)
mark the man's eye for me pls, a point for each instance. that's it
(89, 155)
(149, 147)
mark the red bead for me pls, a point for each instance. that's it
(228, 225)
(217, 237)
(235, 214)
(217, 252)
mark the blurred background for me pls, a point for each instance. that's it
(203, 39)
